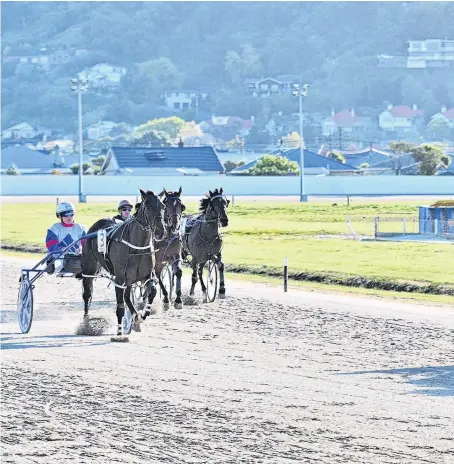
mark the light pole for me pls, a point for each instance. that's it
(300, 92)
(80, 86)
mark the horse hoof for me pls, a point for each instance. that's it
(166, 306)
(136, 327)
(178, 305)
(205, 299)
(222, 296)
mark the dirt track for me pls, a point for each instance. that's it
(261, 377)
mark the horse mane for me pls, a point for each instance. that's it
(205, 201)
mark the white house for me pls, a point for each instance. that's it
(103, 74)
(399, 117)
(444, 116)
(269, 86)
(430, 53)
(100, 129)
(183, 99)
(22, 130)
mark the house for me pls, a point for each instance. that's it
(30, 161)
(313, 164)
(140, 161)
(269, 86)
(430, 53)
(184, 99)
(396, 118)
(228, 126)
(100, 129)
(444, 115)
(345, 120)
(394, 165)
(370, 156)
(20, 131)
(103, 75)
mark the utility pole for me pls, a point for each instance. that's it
(301, 91)
(340, 137)
(80, 86)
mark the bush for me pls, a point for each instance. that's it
(271, 165)
(98, 161)
(231, 165)
(75, 168)
(13, 171)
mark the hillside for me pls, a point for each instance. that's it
(214, 47)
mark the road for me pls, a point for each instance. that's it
(261, 377)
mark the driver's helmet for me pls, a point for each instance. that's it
(124, 203)
(65, 208)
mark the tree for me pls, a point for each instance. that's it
(430, 158)
(364, 165)
(337, 157)
(231, 165)
(240, 65)
(171, 126)
(271, 165)
(439, 129)
(236, 144)
(162, 75)
(400, 149)
(152, 138)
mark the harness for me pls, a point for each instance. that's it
(110, 232)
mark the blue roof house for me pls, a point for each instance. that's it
(143, 161)
(313, 164)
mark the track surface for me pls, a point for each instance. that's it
(261, 377)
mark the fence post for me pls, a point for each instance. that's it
(348, 200)
(137, 200)
(404, 220)
(58, 201)
(436, 226)
(376, 220)
(285, 274)
(233, 201)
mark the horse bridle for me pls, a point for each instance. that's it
(218, 213)
(150, 227)
(178, 215)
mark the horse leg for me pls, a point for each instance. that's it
(150, 295)
(194, 277)
(202, 283)
(87, 283)
(178, 273)
(221, 277)
(137, 317)
(119, 293)
(158, 268)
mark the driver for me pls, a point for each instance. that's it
(62, 234)
(124, 211)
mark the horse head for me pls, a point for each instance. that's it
(174, 207)
(215, 205)
(150, 213)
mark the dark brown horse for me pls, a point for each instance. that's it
(128, 258)
(203, 240)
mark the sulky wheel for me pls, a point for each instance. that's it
(167, 280)
(210, 279)
(25, 304)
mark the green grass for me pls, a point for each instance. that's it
(263, 233)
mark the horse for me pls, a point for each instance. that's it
(128, 257)
(202, 239)
(168, 250)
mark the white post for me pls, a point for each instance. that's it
(285, 274)
(436, 226)
(404, 220)
(81, 149)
